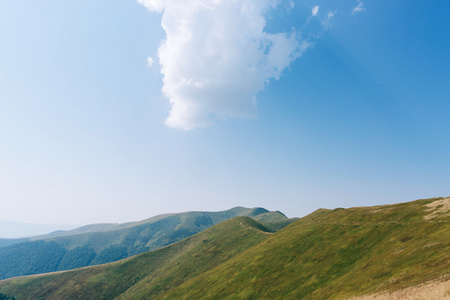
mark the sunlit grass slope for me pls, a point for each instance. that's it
(155, 232)
(102, 243)
(147, 275)
(329, 254)
(336, 254)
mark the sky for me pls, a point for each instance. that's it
(116, 111)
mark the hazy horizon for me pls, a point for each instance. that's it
(17, 230)
(120, 111)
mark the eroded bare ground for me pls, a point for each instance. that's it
(438, 290)
(438, 208)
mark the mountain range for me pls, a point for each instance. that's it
(102, 243)
(329, 254)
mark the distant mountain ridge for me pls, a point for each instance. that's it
(329, 254)
(8, 242)
(102, 243)
(18, 230)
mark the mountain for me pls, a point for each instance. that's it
(8, 242)
(329, 254)
(103, 243)
(337, 254)
(158, 270)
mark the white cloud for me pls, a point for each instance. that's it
(153, 5)
(359, 8)
(216, 57)
(315, 10)
(149, 61)
(326, 22)
(291, 4)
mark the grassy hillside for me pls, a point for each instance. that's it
(329, 254)
(156, 232)
(336, 254)
(103, 243)
(147, 275)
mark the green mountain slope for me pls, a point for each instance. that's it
(103, 243)
(153, 233)
(8, 242)
(329, 254)
(337, 254)
(147, 275)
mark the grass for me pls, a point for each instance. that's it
(146, 275)
(329, 254)
(158, 231)
(103, 243)
(334, 254)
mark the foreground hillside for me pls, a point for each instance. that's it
(337, 254)
(103, 243)
(329, 254)
(147, 275)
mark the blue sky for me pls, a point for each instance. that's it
(351, 107)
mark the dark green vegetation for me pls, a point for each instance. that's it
(104, 243)
(8, 242)
(6, 297)
(30, 258)
(329, 254)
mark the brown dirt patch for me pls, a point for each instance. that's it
(438, 208)
(430, 291)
